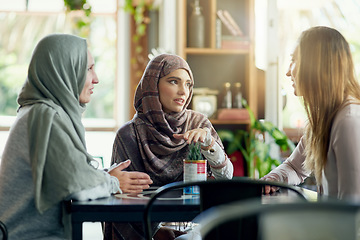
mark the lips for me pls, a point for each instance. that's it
(179, 101)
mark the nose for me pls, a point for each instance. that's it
(288, 73)
(182, 89)
(95, 79)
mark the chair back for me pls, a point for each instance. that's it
(217, 192)
(333, 220)
(3, 231)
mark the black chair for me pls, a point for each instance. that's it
(217, 192)
(4, 231)
(334, 220)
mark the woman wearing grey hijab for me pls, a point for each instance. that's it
(45, 160)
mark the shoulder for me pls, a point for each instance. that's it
(192, 115)
(23, 114)
(347, 120)
(126, 134)
(126, 128)
(348, 114)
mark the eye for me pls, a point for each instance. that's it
(189, 84)
(172, 81)
(90, 68)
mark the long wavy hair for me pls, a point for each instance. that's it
(325, 78)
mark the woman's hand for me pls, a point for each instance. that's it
(202, 135)
(269, 189)
(130, 182)
(192, 136)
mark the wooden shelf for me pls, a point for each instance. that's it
(212, 66)
(214, 51)
(229, 122)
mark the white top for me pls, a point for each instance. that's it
(220, 164)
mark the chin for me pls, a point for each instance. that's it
(85, 101)
(176, 111)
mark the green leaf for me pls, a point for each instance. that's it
(194, 152)
(278, 135)
(262, 150)
(226, 135)
(138, 49)
(268, 126)
(141, 28)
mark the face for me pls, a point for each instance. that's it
(292, 70)
(91, 80)
(174, 90)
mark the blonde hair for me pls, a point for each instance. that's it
(325, 79)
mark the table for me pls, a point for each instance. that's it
(172, 207)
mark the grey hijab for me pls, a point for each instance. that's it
(59, 160)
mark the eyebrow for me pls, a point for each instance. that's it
(174, 77)
(177, 78)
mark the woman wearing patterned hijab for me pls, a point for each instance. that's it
(45, 160)
(157, 138)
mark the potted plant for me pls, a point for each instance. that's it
(252, 146)
(194, 168)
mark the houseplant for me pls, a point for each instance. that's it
(83, 20)
(194, 168)
(252, 146)
(138, 9)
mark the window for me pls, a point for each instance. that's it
(297, 16)
(22, 26)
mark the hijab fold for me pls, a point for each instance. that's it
(58, 155)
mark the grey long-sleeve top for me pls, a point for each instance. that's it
(341, 176)
(17, 206)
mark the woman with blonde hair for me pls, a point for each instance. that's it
(322, 72)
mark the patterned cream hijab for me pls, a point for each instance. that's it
(162, 154)
(59, 160)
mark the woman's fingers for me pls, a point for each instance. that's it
(270, 189)
(134, 182)
(178, 136)
(124, 164)
(192, 136)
